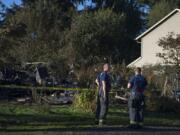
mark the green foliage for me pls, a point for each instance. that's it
(149, 2)
(97, 34)
(131, 10)
(155, 99)
(133, 23)
(120, 71)
(35, 31)
(157, 103)
(85, 100)
(43, 109)
(171, 49)
(44, 31)
(86, 77)
(160, 10)
(152, 100)
(155, 76)
(59, 67)
(169, 105)
(152, 3)
(54, 32)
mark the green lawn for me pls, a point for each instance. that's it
(24, 117)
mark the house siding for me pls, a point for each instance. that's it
(149, 42)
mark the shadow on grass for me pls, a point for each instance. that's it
(99, 129)
(64, 119)
(61, 119)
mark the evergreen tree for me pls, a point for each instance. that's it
(35, 31)
(160, 10)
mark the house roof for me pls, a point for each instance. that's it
(158, 23)
(132, 63)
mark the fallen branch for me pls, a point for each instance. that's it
(121, 98)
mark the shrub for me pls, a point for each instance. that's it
(162, 104)
(85, 100)
(155, 77)
(85, 76)
(121, 72)
(168, 105)
(152, 100)
(162, 78)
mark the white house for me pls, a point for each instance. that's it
(149, 39)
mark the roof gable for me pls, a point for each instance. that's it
(158, 23)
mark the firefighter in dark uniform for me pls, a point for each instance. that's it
(104, 86)
(136, 103)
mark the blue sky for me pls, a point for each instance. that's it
(87, 3)
(10, 2)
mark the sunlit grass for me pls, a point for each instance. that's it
(41, 117)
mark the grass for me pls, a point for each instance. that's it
(25, 117)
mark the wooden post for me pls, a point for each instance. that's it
(34, 94)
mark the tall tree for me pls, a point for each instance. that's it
(98, 35)
(35, 31)
(134, 21)
(153, 2)
(2, 9)
(159, 10)
(131, 8)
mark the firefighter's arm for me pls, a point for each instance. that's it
(129, 85)
(104, 88)
(97, 82)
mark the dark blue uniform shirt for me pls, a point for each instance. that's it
(138, 83)
(104, 77)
